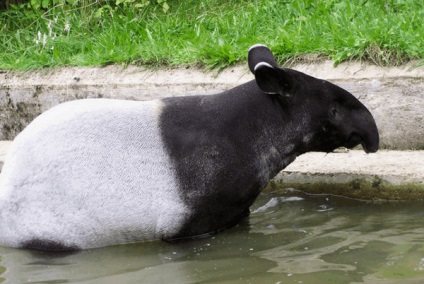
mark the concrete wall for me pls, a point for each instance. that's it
(395, 96)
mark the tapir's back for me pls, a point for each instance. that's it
(79, 167)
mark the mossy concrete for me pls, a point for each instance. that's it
(360, 188)
(385, 175)
(395, 96)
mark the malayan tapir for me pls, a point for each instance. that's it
(97, 172)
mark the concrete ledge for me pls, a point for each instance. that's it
(395, 96)
(4, 147)
(385, 175)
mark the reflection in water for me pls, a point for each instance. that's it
(297, 239)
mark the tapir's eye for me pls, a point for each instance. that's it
(333, 111)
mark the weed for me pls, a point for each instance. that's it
(214, 33)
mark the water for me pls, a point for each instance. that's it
(297, 239)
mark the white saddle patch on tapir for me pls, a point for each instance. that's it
(90, 173)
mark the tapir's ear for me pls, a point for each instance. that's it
(272, 80)
(260, 53)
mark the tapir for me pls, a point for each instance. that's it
(98, 172)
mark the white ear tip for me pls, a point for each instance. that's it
(257, 45)
(260, 64)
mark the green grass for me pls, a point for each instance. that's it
(212, 33)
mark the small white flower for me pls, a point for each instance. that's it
(37, 40)
(49, 26)
(44, 40)
(67, 27)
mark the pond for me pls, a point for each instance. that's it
(287, 239)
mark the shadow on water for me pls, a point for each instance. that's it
(290, 239)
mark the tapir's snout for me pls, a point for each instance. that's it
(368, 132)
(361, 129)
(370, 142)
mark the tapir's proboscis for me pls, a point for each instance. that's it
(98, 172)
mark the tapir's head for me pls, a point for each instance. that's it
(327, 115)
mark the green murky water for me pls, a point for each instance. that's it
(297, 239)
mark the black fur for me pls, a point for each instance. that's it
(211, 148)
(225, 147)
(48, 245)
(260, 53)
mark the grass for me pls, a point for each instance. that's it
(211, 33)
